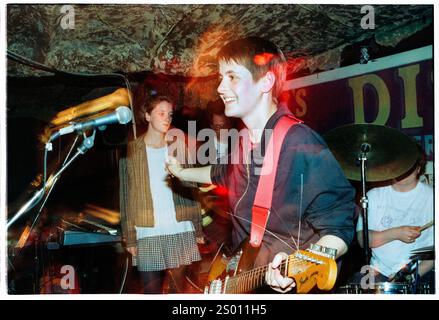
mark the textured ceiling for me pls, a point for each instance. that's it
(184, 39)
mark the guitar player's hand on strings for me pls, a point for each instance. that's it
(173, 167)
(273, 277)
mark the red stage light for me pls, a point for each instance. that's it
(221, 191)
(263, 58)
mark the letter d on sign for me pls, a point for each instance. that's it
(380, 93)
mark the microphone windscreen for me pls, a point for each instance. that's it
(124, 115)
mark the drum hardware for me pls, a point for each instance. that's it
(371, 153)
(386, 288)
(390, 153)
(426, 253)
(378, 288)
(406, 271)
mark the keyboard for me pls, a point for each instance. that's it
(72, 238)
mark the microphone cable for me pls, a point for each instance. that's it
(37, 65)
(122, 285)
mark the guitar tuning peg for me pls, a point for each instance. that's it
(331, 252)
(324, 251)
(315, 247)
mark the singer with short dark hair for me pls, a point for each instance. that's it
(313, 203)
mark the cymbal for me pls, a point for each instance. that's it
(391, 152)
(423, 250)
(425, 253)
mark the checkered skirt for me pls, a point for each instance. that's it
(167, 251)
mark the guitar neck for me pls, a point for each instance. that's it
(306, 268)
(248, 280)
(314, 267)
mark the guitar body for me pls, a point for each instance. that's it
(241, 260)
(315, 267)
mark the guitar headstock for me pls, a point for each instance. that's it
(315, 266)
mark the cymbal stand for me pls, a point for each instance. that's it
(417, 278)
(362, 157)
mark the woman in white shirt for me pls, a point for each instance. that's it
(160, 224)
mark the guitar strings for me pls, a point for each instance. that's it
(283, 222)
(270, 232)
(291, 236)
(240, 283)
(262, 269)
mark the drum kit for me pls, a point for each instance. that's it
(399, 283)
(375, 153)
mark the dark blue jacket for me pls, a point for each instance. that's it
(310, 187)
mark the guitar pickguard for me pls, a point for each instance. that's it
(232, 265)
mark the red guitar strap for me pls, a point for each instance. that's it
(264, 192)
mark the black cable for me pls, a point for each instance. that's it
(124, 277)
(29, 62)
(23, 60)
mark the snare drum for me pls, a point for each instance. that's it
(378, 288)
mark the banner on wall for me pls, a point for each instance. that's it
(395, 91)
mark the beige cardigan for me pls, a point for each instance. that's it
(135, 194)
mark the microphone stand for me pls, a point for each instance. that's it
(51, 186)
(362, 157)
(86, 145)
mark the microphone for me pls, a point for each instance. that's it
(122, 115)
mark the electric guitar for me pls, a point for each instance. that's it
(313, 267)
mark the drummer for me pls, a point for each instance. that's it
(400, 219)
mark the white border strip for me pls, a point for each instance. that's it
(392, 61)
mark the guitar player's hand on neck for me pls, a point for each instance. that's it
(283, 284)
(274, 279)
